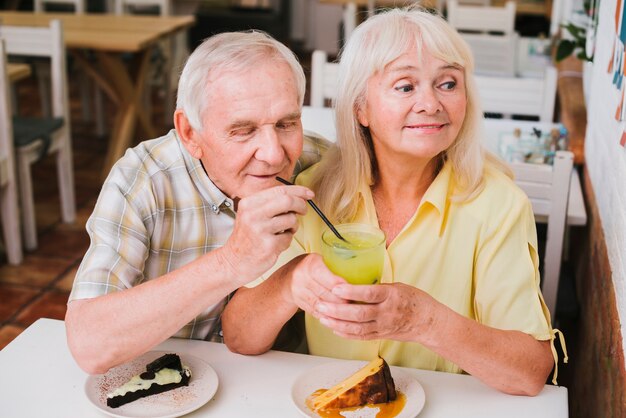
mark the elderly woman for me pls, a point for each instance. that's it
(460, 287)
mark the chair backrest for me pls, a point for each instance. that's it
(323, 78)
(7, 166)
(165, 6)
(548, 190)
(320, 120)
(79, 5)
(44, 42)
(519, 95)
(494, 54)
(441, 4)
(482, 18)
(9, 208)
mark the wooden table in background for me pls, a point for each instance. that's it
(109, 37)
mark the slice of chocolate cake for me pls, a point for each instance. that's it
(163, 374)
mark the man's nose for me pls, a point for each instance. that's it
(427, 101)
(270, 149)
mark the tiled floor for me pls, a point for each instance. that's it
(40, 286)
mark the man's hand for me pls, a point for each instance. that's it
(265, 224)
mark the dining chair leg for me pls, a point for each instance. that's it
(29, 226)
(65, 173)
(10, 224)
(85, 97)
(42, 70)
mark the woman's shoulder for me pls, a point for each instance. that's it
(305, 177)
(499, 194)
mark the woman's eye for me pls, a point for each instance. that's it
(405, 88)
(449, 85)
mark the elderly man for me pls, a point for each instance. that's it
(184, 220)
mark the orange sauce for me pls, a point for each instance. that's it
(386, 410)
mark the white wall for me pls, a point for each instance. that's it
(605, 157)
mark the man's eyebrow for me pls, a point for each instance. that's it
(292, 115)
(244, 123)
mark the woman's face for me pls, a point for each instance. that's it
(414, 109)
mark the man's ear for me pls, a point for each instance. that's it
(187, 134)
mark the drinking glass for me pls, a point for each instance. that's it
(360, 258)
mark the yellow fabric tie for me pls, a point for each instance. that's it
(554, 333)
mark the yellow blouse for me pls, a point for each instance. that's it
(477, 257)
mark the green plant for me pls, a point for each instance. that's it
(578, 31)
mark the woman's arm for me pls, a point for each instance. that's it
(254, 316)
(510, 361)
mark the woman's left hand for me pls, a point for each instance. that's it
(385, 311)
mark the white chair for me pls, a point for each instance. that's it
(8, 181)
(320, 120)
(132, 6)
(79, 5)
(36, 136)
(174, 50)
(519, 95)
(441, 4)
(323, 79)
(493, 54)
(548, 189)
(482, 18)
(86, 88)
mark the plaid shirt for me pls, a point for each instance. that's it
(158, 211)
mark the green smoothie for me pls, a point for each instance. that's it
(360, 258)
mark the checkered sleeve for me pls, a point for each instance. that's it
(119, 231)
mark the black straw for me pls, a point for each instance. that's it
(317, 210)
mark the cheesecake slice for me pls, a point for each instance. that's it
(163, 374)
(370, 385)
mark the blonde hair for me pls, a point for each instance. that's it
(374, 44)
(231, 51)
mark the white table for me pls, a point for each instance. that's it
(40, 378)
(321, 120)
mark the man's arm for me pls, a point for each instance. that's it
(108, 330)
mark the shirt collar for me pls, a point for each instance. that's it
(437, 196)
(216, 199)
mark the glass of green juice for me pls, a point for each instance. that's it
(360, 258)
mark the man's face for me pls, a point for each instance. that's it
(252, 130)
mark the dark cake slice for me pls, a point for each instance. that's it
(163, 374)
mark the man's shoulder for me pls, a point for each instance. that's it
(150, 157)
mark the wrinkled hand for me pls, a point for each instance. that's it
(387, 311)
(265, 224)
(312, 283)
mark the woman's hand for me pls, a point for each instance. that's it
(386, 311)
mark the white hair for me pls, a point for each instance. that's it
(230, 51)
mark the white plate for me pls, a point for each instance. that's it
(170, 404)
(329, 374)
